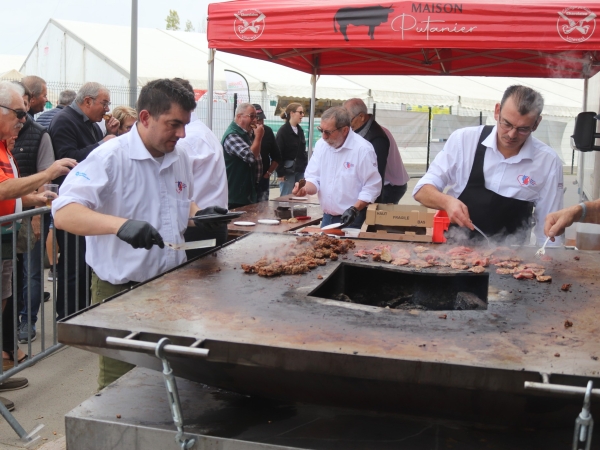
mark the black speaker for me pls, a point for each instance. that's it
(585, 134)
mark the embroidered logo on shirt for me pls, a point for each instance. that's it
(526, 180)
(348, 165)
(180, 186)
(82, 174)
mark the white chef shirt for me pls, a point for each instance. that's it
(395, 172)
(534, 174)
(344, 175)
(208, 164)
(122, 179)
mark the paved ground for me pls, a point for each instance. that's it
(66, 378)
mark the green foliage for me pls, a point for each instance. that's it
(172, 20)
(189, 27)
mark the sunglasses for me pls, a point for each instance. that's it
(299, 112)
(18, 112)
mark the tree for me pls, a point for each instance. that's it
(172, 20)
(189, 26)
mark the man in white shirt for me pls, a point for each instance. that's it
(142, 176)
(342, 171)
(496, 175)
(210, 177)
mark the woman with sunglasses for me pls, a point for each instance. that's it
(292, 144)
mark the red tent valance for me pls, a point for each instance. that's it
(478, 38)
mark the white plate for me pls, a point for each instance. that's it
(268, 221)
(332, 226)
(244, 224)
(298, 198)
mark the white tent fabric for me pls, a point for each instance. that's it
(68, 51)
(11, 62)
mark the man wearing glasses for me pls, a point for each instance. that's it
(241, 148)
(75, 133)
(16, 193)
(342, 170)
(497, 175)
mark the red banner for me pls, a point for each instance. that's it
(464, 38)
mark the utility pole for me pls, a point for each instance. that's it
(133, 60)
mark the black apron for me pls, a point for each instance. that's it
(492, 213)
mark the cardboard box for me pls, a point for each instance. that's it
(399, 215)
(389, 233)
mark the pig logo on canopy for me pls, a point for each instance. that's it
(576, 24)
(249, 24)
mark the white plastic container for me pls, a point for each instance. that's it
(588, 236)
(351, 232)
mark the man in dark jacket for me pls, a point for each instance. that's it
(364, 125)
(241, 149)
(65, 98)
(270, 155)
(75, 134)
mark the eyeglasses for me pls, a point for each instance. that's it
(352, 120)
(299, 112)
(252, 116)
(18, 112)
(327, 133)
(507, 126)
(105, 103)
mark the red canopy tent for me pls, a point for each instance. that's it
(359, 37)
(356, 37)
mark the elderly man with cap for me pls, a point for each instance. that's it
(269, 154)
(241, 148)
(342, 171)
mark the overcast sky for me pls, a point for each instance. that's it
(19, 35)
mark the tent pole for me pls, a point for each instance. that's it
(311, 119)
(133, 78)
(580, 162)
(211, 82)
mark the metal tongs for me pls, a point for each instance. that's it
(483, 234)
(542, 251)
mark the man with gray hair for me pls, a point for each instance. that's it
(75, 133)
(364, 125)
(497, 174)
(15, 193)
(65, 98)
(389, 162)
(342, 171)
(241, 149)
(38, 94)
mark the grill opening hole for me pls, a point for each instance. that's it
(402, 289)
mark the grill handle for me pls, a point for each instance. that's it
(129, 342)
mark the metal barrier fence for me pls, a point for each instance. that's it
(19, 244)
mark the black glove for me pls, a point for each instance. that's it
(211, 210)
(140, 234)
(349, 216)
(211, 226)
